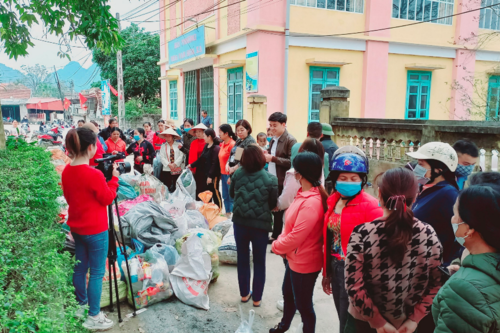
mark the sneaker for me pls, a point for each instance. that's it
(80, 313)
(99, 322)
(228, 215)
(280, 305)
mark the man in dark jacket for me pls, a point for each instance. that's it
(326, 140)
(106, 133)
(279, 158)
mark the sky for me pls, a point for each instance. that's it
(46, 54)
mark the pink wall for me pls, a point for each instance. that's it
(266, 13)
(193, 7)
(374, 89)
(271, 49)
(378, 15)
(467, 28)
(173, 23)
(233, 17)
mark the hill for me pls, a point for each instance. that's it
(8, 74)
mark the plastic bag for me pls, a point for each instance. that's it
(195, 219)
(223, 227)
(150, 279)
(175, 207)
(210, 242)
(153, 187)
(191, 277)
(210, 210)
(169, 253)
(186, 183)
(246, 326)
(125, 206)
(132, 179)
(122, 293)
(228, 253)
(125, 191)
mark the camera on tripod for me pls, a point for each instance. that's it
(105, 165)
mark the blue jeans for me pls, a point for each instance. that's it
(228, 201)
(298, 292)
(258, 237)
(91, 252)
(339, 293)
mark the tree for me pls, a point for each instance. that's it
(69, 19)
(34, 76)
(140, 71)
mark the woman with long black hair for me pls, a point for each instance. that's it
(208, 167)
(143, 150)
(392, 263)
(228, 141)
(88, 195)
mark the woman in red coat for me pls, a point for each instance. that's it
(115, 144)
(195, 153)
(348, 207)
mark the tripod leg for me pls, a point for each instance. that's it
(126, 259)
(110, 287)
(117, 293)
(110, 255)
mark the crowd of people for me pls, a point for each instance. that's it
(422, 255)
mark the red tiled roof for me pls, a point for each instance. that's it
(15, 91)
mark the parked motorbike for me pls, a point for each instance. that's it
(129, 135)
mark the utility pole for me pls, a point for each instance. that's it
(60, 92)
(119, 72)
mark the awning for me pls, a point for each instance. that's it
(230, 64)
(195, 63)
(425, 67)
(325, 62)
(49, 104)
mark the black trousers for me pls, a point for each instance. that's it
(277, 223)
(169, 180)
(214, 188)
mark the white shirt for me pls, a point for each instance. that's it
(272, 165)
(290, 189)
(165, 156)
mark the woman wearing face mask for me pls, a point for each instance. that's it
(348, 207)
(88, 195)
(470, 299)
(187, 138)
(144, 152)
(243, 131)
(301, 242)
(195, 151)
(435, 172)
(392, 265)
(208, 165)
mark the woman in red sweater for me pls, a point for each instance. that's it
(301, 243)
(115, 144)
(88, 195)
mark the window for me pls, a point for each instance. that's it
(423, 10)
(418, 95)
(493, 97)
(354, 6)
(234, 95)
(173, 99)
(320, 78)
(190, 93)
(490, 17)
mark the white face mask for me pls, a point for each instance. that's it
(297, 180)
(460, 240)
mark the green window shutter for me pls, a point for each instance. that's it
(320, 78)
(234, 95)
(418, 95)
(207, 90)
(493, 106)
(190, 94)
(173, 99)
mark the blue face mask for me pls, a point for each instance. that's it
(464, 170)
(137, 138)
(269, 138)
(348, 189)
(420, 172)
(460, 240)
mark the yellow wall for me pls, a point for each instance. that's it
(439, 105)
(235, 55)
(298, 83)
(489, 40)
(483, 71)
(324, 21)
(223, 22)
(425, 33)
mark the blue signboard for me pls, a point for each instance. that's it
(187, 46)
(106, 98)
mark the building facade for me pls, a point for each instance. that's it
(403, 59)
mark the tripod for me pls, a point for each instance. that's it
(112, 257)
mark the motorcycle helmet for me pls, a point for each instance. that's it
(349, 159)
(438, 151)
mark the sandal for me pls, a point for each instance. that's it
(257, 305)
(248, 298)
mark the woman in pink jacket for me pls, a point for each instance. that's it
(301, 243)
(348, 207)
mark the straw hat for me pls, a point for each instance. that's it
(197, 127)
(171, 132)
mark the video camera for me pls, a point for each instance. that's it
(105, 165)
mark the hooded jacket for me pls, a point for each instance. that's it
(302, 240)
(469, 302)
(363, 208)
(435, 207)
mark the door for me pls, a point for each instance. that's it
(320, 78)
(418, 95)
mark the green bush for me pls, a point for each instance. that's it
(36, 290)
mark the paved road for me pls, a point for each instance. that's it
(173, 316)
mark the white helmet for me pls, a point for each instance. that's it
(438, 151)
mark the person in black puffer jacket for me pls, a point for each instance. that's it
(255, 194)
(208, 164)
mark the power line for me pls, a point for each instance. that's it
(154, 10)
(138, 9)
(162, 10)
(47, 41)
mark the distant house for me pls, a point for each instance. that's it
(13, 98)
(45, 109)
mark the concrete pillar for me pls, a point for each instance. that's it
(374, 89)
(334, 104)
(257, 113)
